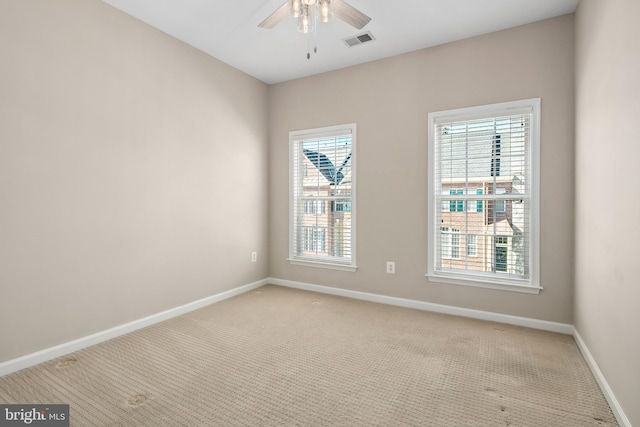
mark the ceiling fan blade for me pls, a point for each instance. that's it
(276, 17)
(349, 14)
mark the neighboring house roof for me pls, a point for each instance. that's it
(332, 173)
(502, 227)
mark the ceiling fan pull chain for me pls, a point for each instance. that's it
(315, 35)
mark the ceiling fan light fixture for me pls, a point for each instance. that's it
(309, 12)
(296, 8)
(325, 11)
(306, 21)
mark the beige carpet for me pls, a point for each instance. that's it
(283, 357)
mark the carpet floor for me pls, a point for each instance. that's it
(283, 357)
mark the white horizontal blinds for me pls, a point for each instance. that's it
(483, 195)
(323, 204)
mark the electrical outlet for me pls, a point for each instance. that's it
(254, 256)
(391, 267)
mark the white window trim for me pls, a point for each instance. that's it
(332, 264)
(532, 285)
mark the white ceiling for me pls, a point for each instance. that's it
(228, 29)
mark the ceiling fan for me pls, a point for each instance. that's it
(308, 12)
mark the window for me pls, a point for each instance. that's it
(455, 244)
(500, 204)
(314, 206)
(452, 203)
(445, 204)
(456, 205)
(472, 245)
(479, 202)
(450, 241)
(474, 206)
(322, 197)
(341, 206)
(314, 239)
(501, 247)
(484, 164)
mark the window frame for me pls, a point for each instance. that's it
(487, 280)
(333, 263)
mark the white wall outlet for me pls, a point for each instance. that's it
(254, 256)
(391, 267)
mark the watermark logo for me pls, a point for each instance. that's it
(34, 415)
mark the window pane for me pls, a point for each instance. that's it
(322, 196)
(501, 259)
(455, 245)
(445, 241)
(328, 165)
(452, 203)
(472, 245)
(483, 148)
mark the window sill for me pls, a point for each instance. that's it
(511, 287)
(327, 265)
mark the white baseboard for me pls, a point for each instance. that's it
(602, 382)
(84, 342)
(545, 325)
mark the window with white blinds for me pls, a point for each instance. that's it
(322, 197)
(483, 196)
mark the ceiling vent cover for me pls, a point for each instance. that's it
(359, 39)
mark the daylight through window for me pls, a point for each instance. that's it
(483, 195)
(322, 197)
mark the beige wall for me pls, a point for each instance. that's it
(390, 100)
(607, 268)
(134, 170)
(133, 173)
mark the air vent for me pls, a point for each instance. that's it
(359, 39)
